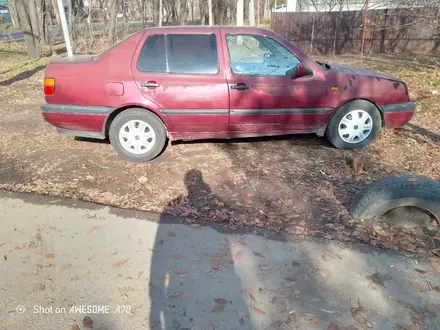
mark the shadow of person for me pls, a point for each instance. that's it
(193, 284)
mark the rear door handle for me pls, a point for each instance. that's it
(150, 84)
(240, 87)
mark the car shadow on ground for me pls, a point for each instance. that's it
(311, 139)
(203, 282)
(418, 133)
(22, 76)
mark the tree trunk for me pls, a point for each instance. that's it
(70, 19)
(181, 12)
(13, 13)
(266, 10)
(251, 12)
(210, 16)
(113, 6)
(56, 11)
(42, 20)
(27, 14)
(160, 12)
(155, 4)
(240, 12)
(35, 26)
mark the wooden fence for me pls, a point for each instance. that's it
(387, 31)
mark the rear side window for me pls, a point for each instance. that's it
(179, 54)
(153, 57)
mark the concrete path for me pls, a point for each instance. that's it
(65, 262)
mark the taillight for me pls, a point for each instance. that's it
(49, 86)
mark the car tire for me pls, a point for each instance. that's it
(366, 119)
(138, 135)
(396, 191)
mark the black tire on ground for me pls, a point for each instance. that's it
(143, 115)
(332, 133)
(396, 191)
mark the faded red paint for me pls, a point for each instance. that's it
(397, 119)
(76, 122)
(114, 81)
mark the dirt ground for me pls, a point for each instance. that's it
(298, 185)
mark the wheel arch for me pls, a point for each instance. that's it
(117, 111)
(322, 130)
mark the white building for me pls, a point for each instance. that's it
(333, 5)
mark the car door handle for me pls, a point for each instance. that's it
(240, 87)
(150, 84)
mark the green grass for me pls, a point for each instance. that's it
(14, 59)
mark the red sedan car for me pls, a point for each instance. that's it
(185, 83)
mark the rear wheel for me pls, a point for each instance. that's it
(138, 135)
(355, 125)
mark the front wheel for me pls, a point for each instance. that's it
(355, 125)
(137, 135)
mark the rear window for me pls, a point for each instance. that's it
(179, 54)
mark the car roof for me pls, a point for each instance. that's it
(208, 27)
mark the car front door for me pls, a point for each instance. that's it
(182, 73)
(265, 95)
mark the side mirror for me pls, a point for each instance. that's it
(302, 71)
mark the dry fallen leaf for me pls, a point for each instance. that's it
(258, 254)
(49, 256)
(242, 243)
(309, 317)
(178, 257)
(218, 308)
(179, 271)
(194, 225)
(95, 228)
(417, 287)
(351, 327)
(408, 327)
(171, 234)
(433, 308)
(435, 263)
(258, 311)
(140, 274)
(220, 301)
(121, 263)
(379, 230)
(238, 255)
(357, 164)
(360, 316)
(87, 322)
(332, 326)
(274, 299)
(73, 327)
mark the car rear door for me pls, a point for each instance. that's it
(181, 71)
(263, 98)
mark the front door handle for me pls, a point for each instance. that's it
(240, 87)
(150, 84)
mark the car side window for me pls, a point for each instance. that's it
(152, 57)
(255, 55)
(180, 54)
